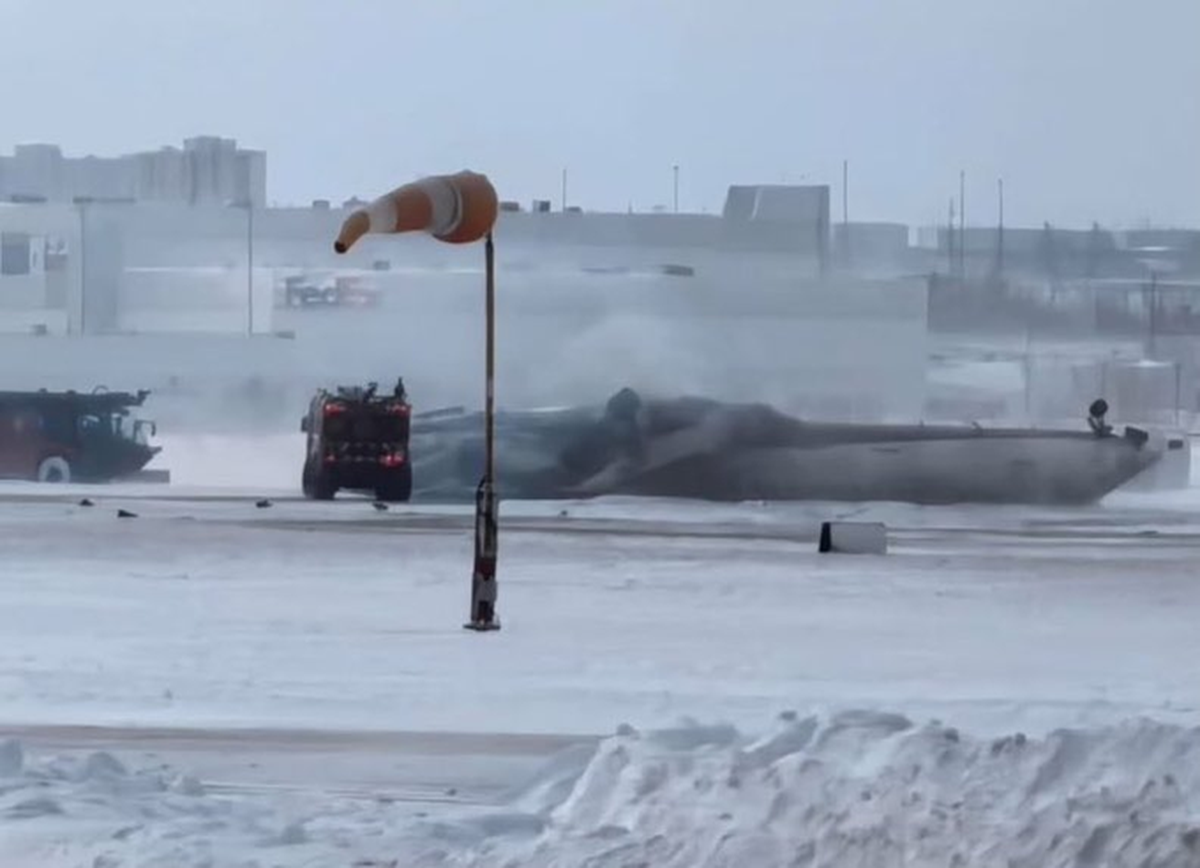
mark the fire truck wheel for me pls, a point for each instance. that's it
(316, 486)
(54, 469)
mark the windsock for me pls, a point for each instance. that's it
(458, 209)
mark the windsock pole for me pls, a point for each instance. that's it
(487, 524)
(456, 209)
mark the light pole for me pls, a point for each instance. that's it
(248, 205)
(675, 172)
(457, 209)
(82, 202)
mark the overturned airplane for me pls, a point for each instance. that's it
(693, 447)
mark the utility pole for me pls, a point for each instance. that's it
(564, 189)
(675, 171)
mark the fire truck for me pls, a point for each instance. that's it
(358, 440)
(73, 436)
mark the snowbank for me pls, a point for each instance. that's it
(869, 789)
(90, 810)
(854, 789)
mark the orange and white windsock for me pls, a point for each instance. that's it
(458, 209)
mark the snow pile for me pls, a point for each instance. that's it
(90, 810)
(853, 789)
(869, 789)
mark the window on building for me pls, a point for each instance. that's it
(14, 253)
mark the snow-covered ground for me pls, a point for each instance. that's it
(214, 683)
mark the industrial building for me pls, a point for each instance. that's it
(206, 170)
(87, 243)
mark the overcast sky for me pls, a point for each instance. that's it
(1090, 109)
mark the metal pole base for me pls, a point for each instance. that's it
(483, 581)
(482, 626)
